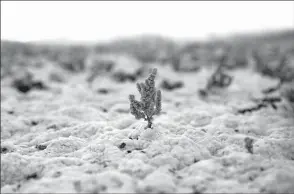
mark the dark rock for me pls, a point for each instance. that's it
(122, 145)
(34, 123)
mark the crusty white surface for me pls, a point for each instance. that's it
(196, 146)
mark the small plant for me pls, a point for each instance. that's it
(218, 79)
(121, 76)
(25, 82)
(249, 144)
(99, 68)
(261, 64)
(281, 70)
(150, 103)
(179, 60)
(169, 85)
(262, 103)
(287, 93)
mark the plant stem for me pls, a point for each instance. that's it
(149, 125)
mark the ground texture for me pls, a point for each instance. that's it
(72, 138)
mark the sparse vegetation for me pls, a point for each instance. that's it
(277, 66)
(218, 79)
(150, 103)
(169, 85)
(123, 76)
(262, 103)
(249, 144)
(99, 67)
(64, 127)
(25, 82)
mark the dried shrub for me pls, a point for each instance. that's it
(150, 103)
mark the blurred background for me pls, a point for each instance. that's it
(92, 21)
(121, 38)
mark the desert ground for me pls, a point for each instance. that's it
(66, 125)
